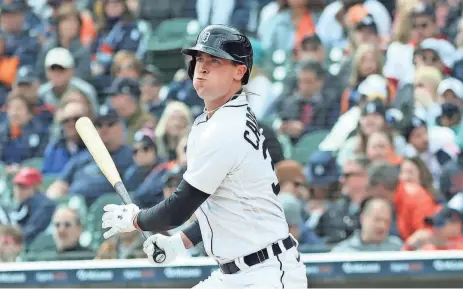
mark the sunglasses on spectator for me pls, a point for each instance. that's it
(71, 119)
(423, 25)
(143, 148)
(100, 124)
(65, 224)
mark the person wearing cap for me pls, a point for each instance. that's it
(450, 116)
(60, 151)
(27, 83)
(308, 109)
(19, 46)
(35, 210)
(341, 218)
(423, 23)
(144, 178)
(124, 97)
(312, 49)
(435, 145)
(451, 179)
(412, 203)
(322, 173)
(68, 28)
(59, 67)
(150, 87)
(439, 53)
(451, 90)
(81, 175)
(376, 216)
(445, 231)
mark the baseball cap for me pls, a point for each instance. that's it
(322, 168)
(59, 56)
(26, 74)
(411, 124)
(146, 136)
(422, 9)
(454, 208)
(444, 49)
(367, 22)
(453, 84)
(292, 208)
(28, 177)
(14, 6)
(374, 107)
(310, 42)
(107, 114)
(374, 86)
(124, 86)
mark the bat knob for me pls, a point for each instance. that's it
(159, 256)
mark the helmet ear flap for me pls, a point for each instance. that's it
(191, 68)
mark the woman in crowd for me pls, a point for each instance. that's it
(414, 170)
(380, 147)
(175, 120)
(21, 138)
(126, 65)
(67, 35)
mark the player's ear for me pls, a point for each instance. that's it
(240, 72)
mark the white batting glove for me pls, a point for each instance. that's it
(119, 218)
(172, 246)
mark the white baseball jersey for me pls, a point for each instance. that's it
(228, 159)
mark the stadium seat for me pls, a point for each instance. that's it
(33, 163)
(95, 212)
(307, 145)
(43, 242)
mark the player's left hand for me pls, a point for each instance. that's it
(172, 246)
(119, 218)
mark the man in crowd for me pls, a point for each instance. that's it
(67, 231)
(11, 243)
(125, 99)
(81, 175)
(150, 87)
(341, 218)
(375, 218)
(35, 210)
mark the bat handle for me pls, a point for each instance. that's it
(159, 255)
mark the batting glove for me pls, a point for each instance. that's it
(172, 246)
(119, 218)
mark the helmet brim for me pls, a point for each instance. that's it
(209, 50)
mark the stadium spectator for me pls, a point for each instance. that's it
(123, 246)
(375, 219)
(145, 178)
(450, 90)
(150, 87)
(414, 170)
(451, 180)
(67, 231)
(364, 31)
(171, 181)
(341, 218)
(434, 145)
(81, 175)
(322, 173)
(117, 31)
(27, 83)
(333, 22)
(307, 110)
(35, 210)
(425, 98)
(21, 137)
(174, 122)
(450, 117)
(11, 243)
(126, 65)
(423, 23)
(124, 97)
(380, 147)
(412, 203)
(293, 208)
(67, 35)
(446, 232)
(291, 24)
(19, 47)
(59, 152)
(312, 49)
(59, 65)
(87, 28)
(438, 53)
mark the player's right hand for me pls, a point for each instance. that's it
(172, 246)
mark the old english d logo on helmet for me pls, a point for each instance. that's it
(224, 42)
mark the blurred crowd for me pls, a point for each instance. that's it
(361, 102)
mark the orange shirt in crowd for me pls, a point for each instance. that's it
(305, 28)
(87, 31)
(412, 203)
(453, 244)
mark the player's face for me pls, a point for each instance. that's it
(215, 77)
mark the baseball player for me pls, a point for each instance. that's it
(229, 185)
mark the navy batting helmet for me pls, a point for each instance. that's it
(223, 42)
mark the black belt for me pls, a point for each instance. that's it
(257, 257)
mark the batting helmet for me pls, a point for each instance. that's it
(223, 42)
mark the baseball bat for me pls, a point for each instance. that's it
(103, 159)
